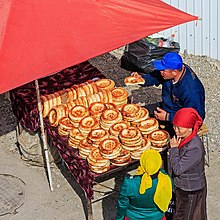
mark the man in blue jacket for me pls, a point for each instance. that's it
(181, 88)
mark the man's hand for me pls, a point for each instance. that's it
(137, 79)
(160, 114)
(135, 74)
(175, 141)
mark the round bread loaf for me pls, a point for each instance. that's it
(117, 127)
(129, 134)
(98, 169)
(77, 113)
(119, 94)
(136, 154)
(109, 117)
(96, 159)
(143, 115)
(96, 109)
(107, 84)
(148, 125)
(97, 135)
(110, 148)
(88, 123)
(85, 146)
(45, 106)
(122, 159)
(130, 112)
(64, 126)
(56, 113)
(133, 80)
(158, 138)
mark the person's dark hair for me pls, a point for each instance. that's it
(154, 176)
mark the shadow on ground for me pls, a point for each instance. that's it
(7, 119)
(109, 203)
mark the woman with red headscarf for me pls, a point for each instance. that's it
(187, 158)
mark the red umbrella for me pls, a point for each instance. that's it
(40, 37)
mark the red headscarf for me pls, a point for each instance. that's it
(188, 118)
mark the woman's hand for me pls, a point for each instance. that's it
(175, 141)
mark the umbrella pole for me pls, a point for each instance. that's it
(45, 146)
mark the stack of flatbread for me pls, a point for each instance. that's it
(159, 139)
(119, 96)
(97, 163)
(65, 126)
(131, 138)
(109, 117)
(147, 126)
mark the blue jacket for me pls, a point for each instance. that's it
(187, 92)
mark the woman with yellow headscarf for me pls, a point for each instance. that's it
(147, 194)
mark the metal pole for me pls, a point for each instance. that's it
(89, 209)
(45, 146)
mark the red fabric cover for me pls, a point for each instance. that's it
(77, 166)
(24, 105)
(188, 118)
(24, 98)
(38, 38)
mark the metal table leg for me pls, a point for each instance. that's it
(89, 208)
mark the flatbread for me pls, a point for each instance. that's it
(133, 80)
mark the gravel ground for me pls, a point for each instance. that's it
(64, 198)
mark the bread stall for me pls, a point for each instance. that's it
(37, 44)
(90, 121)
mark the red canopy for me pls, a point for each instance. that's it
(40, 37)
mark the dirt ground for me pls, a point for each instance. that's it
(67, 201)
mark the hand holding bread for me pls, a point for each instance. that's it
(134, 79)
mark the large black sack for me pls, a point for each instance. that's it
(139, 55)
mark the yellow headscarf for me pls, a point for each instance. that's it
(150, 163)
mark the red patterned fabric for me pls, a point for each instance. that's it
(78, 166)
(24, 99)
(24, 104)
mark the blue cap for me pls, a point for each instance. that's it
(171, 60)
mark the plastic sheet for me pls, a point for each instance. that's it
(139, 55)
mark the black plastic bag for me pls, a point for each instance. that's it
(139, 55)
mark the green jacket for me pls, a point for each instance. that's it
(137, 206)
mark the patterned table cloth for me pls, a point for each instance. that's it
(24, 105)
(24, 98)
